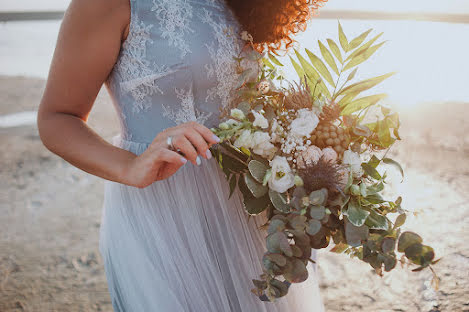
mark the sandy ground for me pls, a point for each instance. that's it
(50, 215)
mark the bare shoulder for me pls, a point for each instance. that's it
(100, 13)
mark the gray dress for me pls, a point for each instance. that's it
(180, 244)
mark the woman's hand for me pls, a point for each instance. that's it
(158, 162)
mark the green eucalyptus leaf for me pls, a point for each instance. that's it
(359, 40)
(279, 201)
(374, 161)
(320, 67)
(356, 215)
(278, 259)
(317, 212)
(314, 226)
(388, 244)
(355, 235)
(375, 199)
(375, 221)
(276, 225)
(278, 243)
(257, 170)
(371, 171)
(318, 197)
(328, 57)
(255, 206)
(298, 223)
(375, 188)
(400, 220)
(362, 103)
(298, 272)
(258, 190)
(407, 239)
(394, 163)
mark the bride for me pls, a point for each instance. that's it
(171, 238)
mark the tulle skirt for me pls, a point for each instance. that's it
(182, 245)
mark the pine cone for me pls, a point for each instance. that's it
(328, 135)
(330, 112)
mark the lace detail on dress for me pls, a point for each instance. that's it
(174, 17)
(187, 112)
(222, 53)
(137, 75)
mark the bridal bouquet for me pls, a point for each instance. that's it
(308, 155)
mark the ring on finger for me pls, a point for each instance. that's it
(170, 144)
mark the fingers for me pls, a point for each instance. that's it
(186, 147)
(171, 157)
(199, 142)
(206, 133)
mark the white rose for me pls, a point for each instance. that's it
(309, 156)
(237, 113)
(353, 159)
(261, 145)
(260, 120)
(329, 154)
(282, 178)
(244, 140)
(304, 123)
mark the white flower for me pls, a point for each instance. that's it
(231, 122)
(260, 120)
(304, 124)
(309, 156)
(261, 145)
(329, 154)
(353, 159)
(282, 178)
(237, 113)
(224, 126)
(244, 140)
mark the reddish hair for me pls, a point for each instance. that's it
(272, 23)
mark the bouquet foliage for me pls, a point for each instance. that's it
(307, 155)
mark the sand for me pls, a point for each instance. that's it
(50, 216)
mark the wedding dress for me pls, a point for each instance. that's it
(181, 244)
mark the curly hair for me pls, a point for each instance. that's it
(272, 23)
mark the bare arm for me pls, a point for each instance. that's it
(87, 48)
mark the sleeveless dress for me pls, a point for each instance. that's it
(181, 244)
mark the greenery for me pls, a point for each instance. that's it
(356, 219)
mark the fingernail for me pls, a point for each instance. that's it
(209, 154)
(198, 161)
(217, 139)
(183, 160)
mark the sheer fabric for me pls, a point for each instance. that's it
(181, 244)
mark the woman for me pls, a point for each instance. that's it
(171, 239)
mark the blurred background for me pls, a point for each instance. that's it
(50, 211)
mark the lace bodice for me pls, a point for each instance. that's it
(176, 65)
